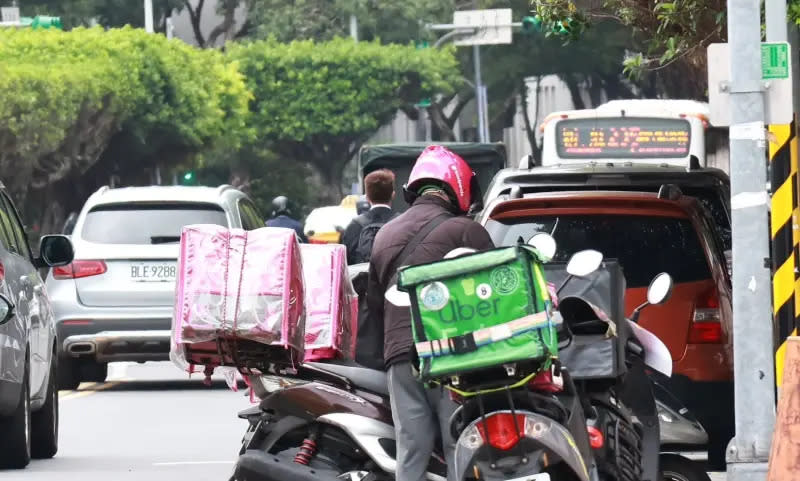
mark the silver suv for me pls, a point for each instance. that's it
(114, 302)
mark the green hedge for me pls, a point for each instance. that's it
(59, 91)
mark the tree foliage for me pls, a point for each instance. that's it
(71, 99)
(672, 35)
(318, 102)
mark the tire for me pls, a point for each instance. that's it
(678, 468)
(94, 371)
(44, 422)
(15, 431)
(68, 374)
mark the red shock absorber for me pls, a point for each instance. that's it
(307, 450)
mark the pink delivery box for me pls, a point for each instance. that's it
(331, 303)
(239, 299)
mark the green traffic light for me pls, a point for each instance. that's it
(188, 176)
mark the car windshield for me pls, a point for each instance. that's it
(643, 245)
(147, 223)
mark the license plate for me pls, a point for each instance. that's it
(534, 477)
(154, 272)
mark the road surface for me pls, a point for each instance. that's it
(147, 423)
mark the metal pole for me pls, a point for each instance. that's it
(775, 12)
(753, 347)
(354, 27)
(170, 28)
(148, 16)
(476, 53)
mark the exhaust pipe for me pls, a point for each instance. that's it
(81, 348)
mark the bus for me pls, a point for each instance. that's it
(651, 131)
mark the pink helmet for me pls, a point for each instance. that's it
(438, 165)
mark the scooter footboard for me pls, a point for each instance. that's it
(372, 436)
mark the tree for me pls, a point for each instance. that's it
(79, 106)
(389, 21)
(317, 102)
(118, 13)
(672, 36)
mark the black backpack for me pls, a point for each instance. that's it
(366, 238)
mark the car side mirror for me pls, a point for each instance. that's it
(6, 309)
(54, 251)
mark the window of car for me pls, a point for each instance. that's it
(251, 220)
(147, 223)
(644, 245)
(18, 232)
(6, 231)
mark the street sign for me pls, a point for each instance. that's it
(776, 75)
(9, 14)
(775, 60)
(493, 26)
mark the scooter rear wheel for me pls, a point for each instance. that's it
(678, 468)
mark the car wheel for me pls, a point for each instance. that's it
(94, 371)
(68, 374)
(44, 422)
(15, 431)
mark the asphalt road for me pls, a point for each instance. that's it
(147, 422)
(150, 423)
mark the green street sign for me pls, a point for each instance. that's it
(775, 60)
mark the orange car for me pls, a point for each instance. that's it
(648, 234)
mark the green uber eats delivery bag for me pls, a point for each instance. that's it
(480, 310)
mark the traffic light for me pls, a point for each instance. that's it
(531, 25)
(189, 178)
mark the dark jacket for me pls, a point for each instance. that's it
(455, 232)
(379, 214)
(288, 223)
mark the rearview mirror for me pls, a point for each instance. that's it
(6, 309)
(660, 289)
(584, 263)
(545, 245)
(397, 298)
(55, 251)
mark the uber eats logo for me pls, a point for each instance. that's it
(436, 297)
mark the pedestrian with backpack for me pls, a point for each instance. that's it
(360, 234)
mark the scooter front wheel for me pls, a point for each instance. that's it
(678, 468)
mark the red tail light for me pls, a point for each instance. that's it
(544, 382)
(504, 432)
(79, 269)
(706, 327)
(317, 241)
(596, 440)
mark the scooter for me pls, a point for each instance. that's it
(333, 421)
(680, 432)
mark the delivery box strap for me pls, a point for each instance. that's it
(470, 342)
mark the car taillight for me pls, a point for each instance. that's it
(545, 382)
(503, 430)
(596, 439)
(79, 269)
(706, 327)
(317, 241)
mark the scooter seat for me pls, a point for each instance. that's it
(363, 377)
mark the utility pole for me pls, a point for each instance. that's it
(479, 97)
(753, 347)
(354, 27)
(148, 16)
